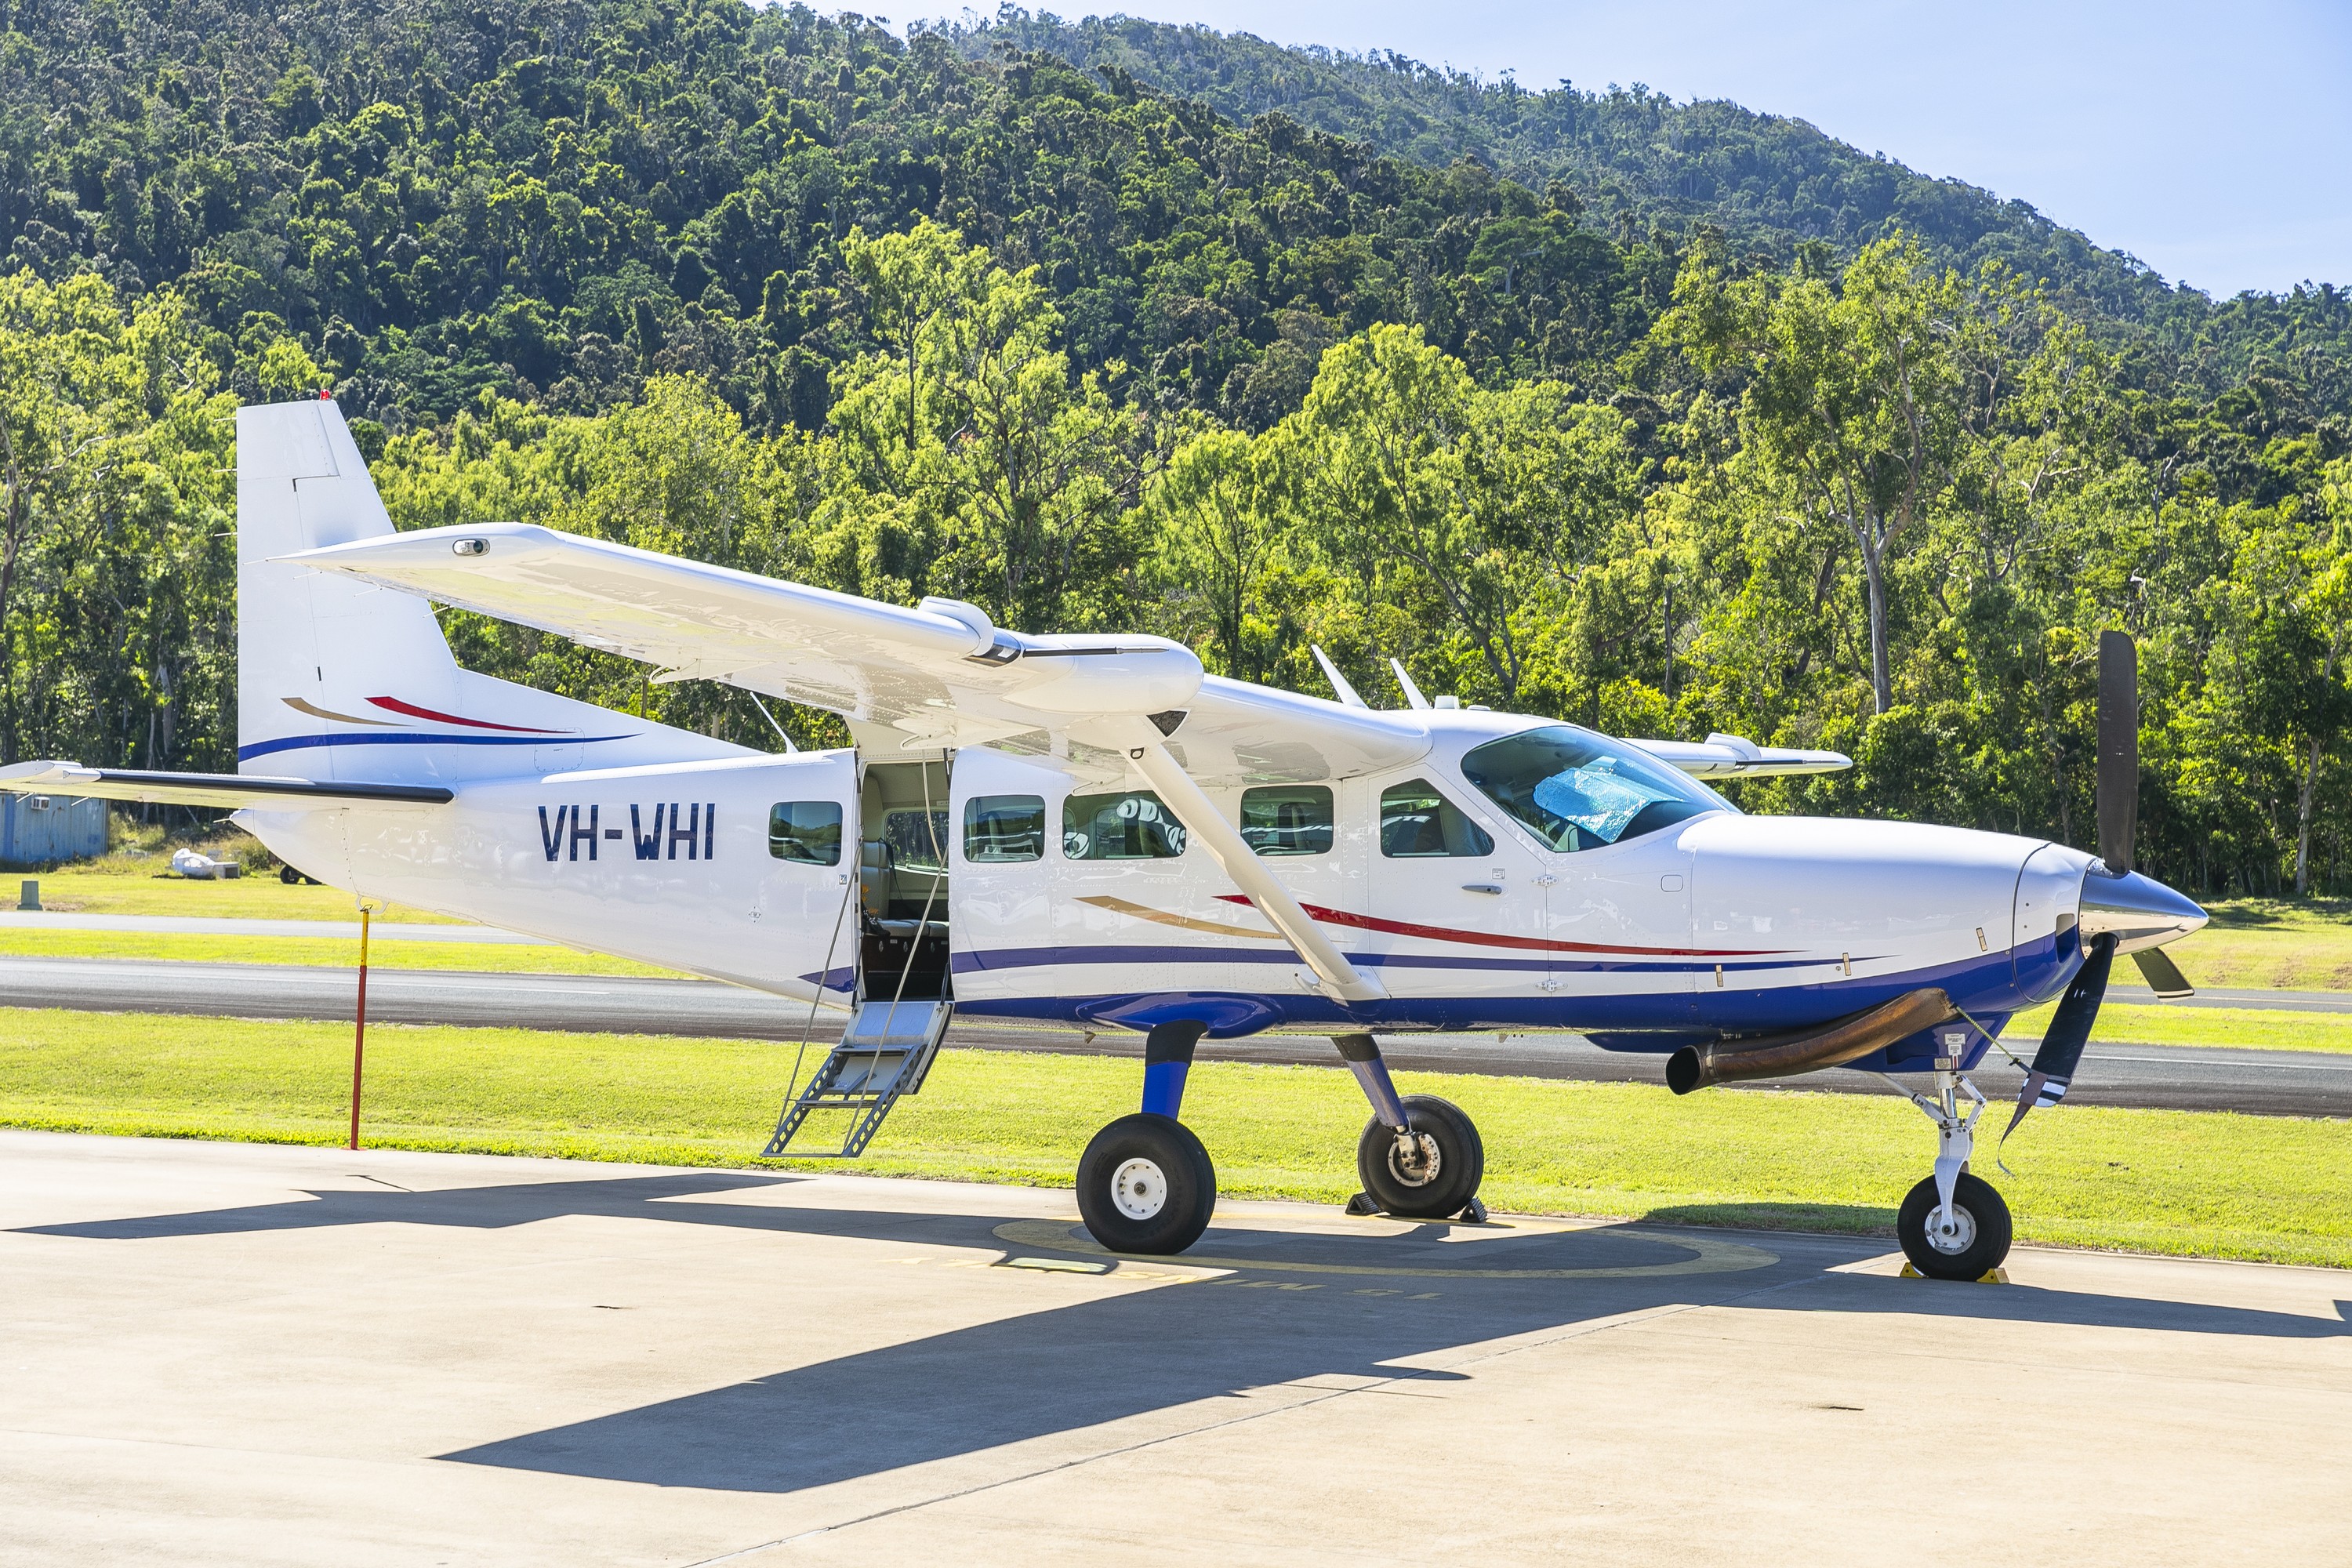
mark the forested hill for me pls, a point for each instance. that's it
(1638, 160)
(550, 199)
(1668, 419)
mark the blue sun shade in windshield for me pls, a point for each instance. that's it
(1596, 797)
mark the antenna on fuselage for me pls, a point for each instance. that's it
(1338, 681)
(1412, 693)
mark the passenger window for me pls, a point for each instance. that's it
(1292, 819)
(915, 842)
(808, 831)
(1131, 826)
(1416, 822)
(998, 827)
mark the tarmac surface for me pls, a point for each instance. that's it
(2175, 1078)
(251, 1355)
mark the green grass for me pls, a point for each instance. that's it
(2197, 1183)
(196, 947)
(117, 886)
(2275, 945)
(2252, 1028)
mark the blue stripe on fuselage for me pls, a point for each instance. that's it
(1004, 958)
(1993, 985)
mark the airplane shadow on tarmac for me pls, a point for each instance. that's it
(1268, 1321)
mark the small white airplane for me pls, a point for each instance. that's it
(1089, 830)
(194, 863)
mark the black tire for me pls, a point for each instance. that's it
(291, 877)
(1984, 1226)
(1436, 1192)
(1170, 1187)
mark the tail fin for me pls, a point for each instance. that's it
(314, 651)
(340, 682)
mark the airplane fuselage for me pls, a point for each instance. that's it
(1053, 906)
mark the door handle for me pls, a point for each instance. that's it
(1480, 887)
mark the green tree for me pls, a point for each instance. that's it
(1853, 396)
(1481, 506)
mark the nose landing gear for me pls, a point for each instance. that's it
(1953, 1224)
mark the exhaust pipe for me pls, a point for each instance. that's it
(1783, 1055)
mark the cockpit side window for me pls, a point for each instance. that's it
(1578, 790)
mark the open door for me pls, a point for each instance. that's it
(902, 881)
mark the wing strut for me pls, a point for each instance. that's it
(1341, 981)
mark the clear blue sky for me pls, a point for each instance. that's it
(2214, 142)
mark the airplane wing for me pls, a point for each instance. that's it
(1730, 757)
(939, 674)
(231, 791)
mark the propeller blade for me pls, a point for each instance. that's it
(2069, 1030)
(2118, 775)
(2163, 975)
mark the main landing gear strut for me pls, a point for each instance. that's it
(1953, 1224)
(1145, 1184)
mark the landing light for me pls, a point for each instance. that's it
(470, 546)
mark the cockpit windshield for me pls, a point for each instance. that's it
(1578, 790)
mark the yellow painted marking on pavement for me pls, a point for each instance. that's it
(1057, 1265)
(1710, 1256)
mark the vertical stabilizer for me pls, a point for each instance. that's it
(314, 651)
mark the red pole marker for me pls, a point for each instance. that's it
(359, 1031)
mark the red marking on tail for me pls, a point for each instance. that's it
(413, 712)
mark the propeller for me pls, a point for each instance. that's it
(2069, 1032)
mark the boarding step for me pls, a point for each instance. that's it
(885, 1054)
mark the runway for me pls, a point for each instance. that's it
(226, 1353)
(2174, 1078)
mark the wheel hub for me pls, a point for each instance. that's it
(1955, 1234)
(1414, 1159)
(1139, 1188)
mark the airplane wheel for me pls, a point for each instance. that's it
(1979, 1241)
(1145, 1185)
(1434, 1175)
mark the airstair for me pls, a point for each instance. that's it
(885, 1053)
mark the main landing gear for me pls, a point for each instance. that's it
(1145, 1184)
(1953, 1225)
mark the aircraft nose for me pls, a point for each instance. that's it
(2141, 911)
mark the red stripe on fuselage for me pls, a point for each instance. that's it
(413, 712)
(1532, 943)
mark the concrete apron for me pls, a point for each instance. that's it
(244, 1354)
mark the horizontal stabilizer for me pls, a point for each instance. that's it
(228, 791)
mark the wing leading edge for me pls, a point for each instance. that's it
(939, 674)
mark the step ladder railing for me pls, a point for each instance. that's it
(882, 1056)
